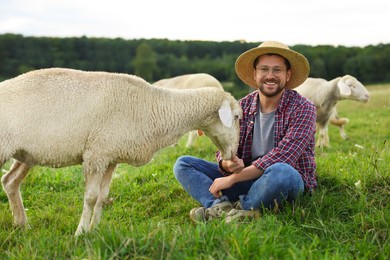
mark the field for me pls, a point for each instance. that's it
(348, 217)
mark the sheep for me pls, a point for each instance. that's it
(325, 95)
(60, 117)
(197, 80)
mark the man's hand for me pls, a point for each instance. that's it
(220, 184)
(235, 165)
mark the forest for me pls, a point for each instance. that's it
(154, 59)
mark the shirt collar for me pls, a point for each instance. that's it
(254, 105)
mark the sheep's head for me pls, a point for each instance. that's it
(351, 88)
(224, 131)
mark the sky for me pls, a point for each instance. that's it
(348, 23)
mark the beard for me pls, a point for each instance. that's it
(271, 93)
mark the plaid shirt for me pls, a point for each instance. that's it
(294, 135)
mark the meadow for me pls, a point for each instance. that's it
(348, 217)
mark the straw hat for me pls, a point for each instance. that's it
(299, 65)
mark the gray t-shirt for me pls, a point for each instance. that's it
(263, 134)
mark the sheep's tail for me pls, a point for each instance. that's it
(339, 121)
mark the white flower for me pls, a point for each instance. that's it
(358, 146)
(358, 184)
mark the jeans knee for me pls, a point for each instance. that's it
(179, 165)
(286, 173)
(282, 167)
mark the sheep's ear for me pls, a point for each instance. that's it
(345, 90)
(225, 114)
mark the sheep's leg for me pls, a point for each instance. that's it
(320, 135)
(192, 136)
(93, 179)
(11, 185)
(323, 137)
(342, 132)
(104, 190)
(340, 122)
(326, 141)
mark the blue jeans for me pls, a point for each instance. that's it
(280, 182)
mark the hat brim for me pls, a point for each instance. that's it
(299, 65)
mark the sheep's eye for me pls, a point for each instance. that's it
(236, 117)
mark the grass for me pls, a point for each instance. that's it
(347, 218)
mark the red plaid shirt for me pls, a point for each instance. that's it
(294, 135)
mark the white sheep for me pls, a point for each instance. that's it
(325, 95)
(187, 81)
(61, 117)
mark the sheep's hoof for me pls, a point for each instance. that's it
(108, 201)
(323, 146)
(79, 232)
(22, 227)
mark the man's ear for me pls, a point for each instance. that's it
(288, 75)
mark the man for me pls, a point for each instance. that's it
(275, 158)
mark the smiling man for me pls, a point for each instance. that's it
(275, 159)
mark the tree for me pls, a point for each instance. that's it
(317, 68)
(145, 62)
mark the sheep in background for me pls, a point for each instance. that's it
(61, 117)
(187, 81)
(325, 95)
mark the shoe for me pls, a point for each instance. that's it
(218, 210)
(238, 213)
(198, 214)
(201, 214)
(241, 215)
(237, 205)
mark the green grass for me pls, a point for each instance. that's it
(148, 217)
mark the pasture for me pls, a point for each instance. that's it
(348, 216)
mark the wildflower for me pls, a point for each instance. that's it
(358, 146)
(358, 185)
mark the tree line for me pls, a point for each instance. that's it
(154, 59)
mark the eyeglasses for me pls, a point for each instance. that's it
(264, 70)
